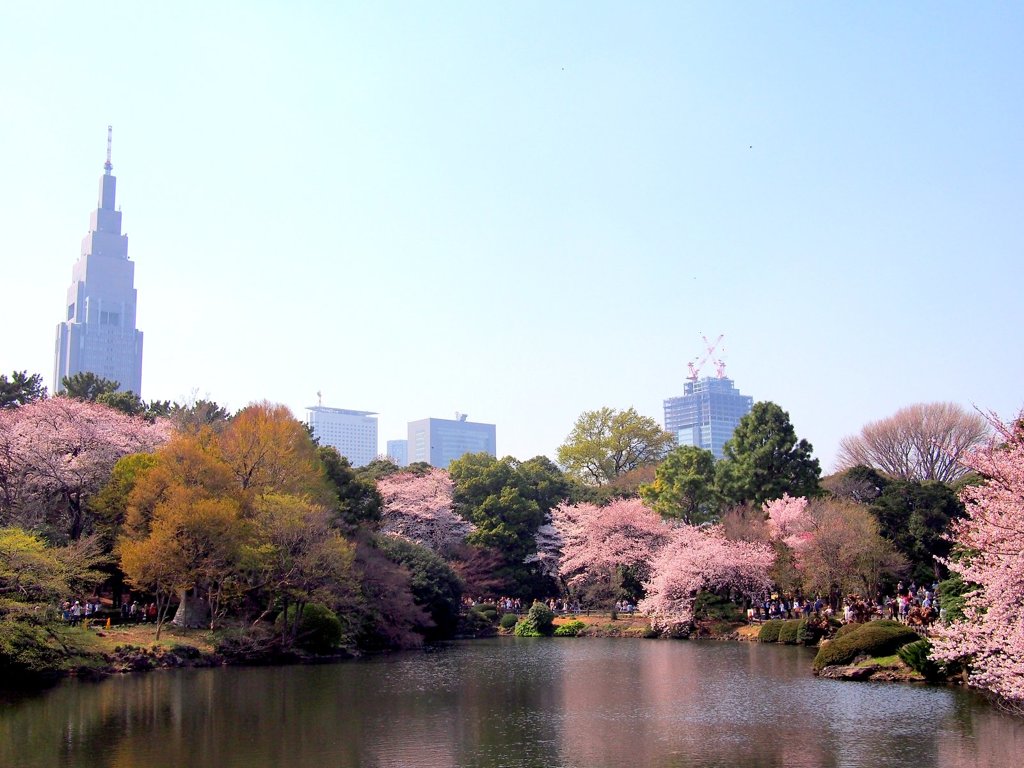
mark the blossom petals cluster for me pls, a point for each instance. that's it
(419, 508)
(991, 534)
(696, 560)
(676, 561)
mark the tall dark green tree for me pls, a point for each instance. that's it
(764, 459)
(20, 388)
(359, 503)
(508, 501)
(88, 386)
(915, 516)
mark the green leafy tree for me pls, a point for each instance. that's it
(915, 516)
(435, 586)
(20, 389)
(359, 502)
(684, 486)
(606, 443)
(763, 459)
(88, 386)
(126, 402)
(508, 500)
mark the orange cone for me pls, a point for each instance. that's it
(108, 622)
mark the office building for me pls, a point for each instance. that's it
(398, 452)
(707, 413)
(98, 334)
(352, 433)
(440, 441)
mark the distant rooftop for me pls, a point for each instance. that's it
(341, 411)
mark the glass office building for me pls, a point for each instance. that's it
(440, 441)
(707, 413)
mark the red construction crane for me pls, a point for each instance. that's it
(696, 366)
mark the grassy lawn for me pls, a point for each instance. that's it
(104, 640)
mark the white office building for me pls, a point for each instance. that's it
(352, 433)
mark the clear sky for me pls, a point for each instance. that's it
(522, 211)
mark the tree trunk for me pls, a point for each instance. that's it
(193, 611)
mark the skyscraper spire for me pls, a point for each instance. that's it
(107, 166)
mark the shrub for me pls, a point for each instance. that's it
(917, 656)
(810, 630)
(877, 638)
(539, 622)
(508, 621)
(319, 630)
(769, 632)
(475, 624)
(847, 629)
(569, 629)
(788, 630)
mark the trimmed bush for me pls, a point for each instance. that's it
(877, 638)
(847, 629)
(917, 656)
(788, 630)
(539, 622)
(569, 629)
(769, 632)
(508, 621)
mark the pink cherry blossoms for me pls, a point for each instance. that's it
(699, 559)
(55, 452)
(597, 540)
(675, 560)
(419, 508)
(788, 520)
(991, 634)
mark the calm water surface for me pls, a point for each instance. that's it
(511, 702)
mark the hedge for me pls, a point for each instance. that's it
(769, 632)
(876, 638)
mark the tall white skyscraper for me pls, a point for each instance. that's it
(98, 334)
(352, 433)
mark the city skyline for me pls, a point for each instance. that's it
(531, 212)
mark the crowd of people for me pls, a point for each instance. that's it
(914, 605)
(77, 611)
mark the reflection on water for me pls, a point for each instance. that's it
(512, 702)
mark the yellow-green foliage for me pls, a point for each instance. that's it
(877, 638)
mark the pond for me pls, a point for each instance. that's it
(511, 702)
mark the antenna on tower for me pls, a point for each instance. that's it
(107, 166)
(319, 397)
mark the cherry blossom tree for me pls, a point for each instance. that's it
(788, 520)
(54, 453)
(419, 508)
(834, 545)
(991, 539)
(597, 541)
(699, 559)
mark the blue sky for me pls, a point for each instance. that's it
(522, 212)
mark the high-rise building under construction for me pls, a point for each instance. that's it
(707, 413)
